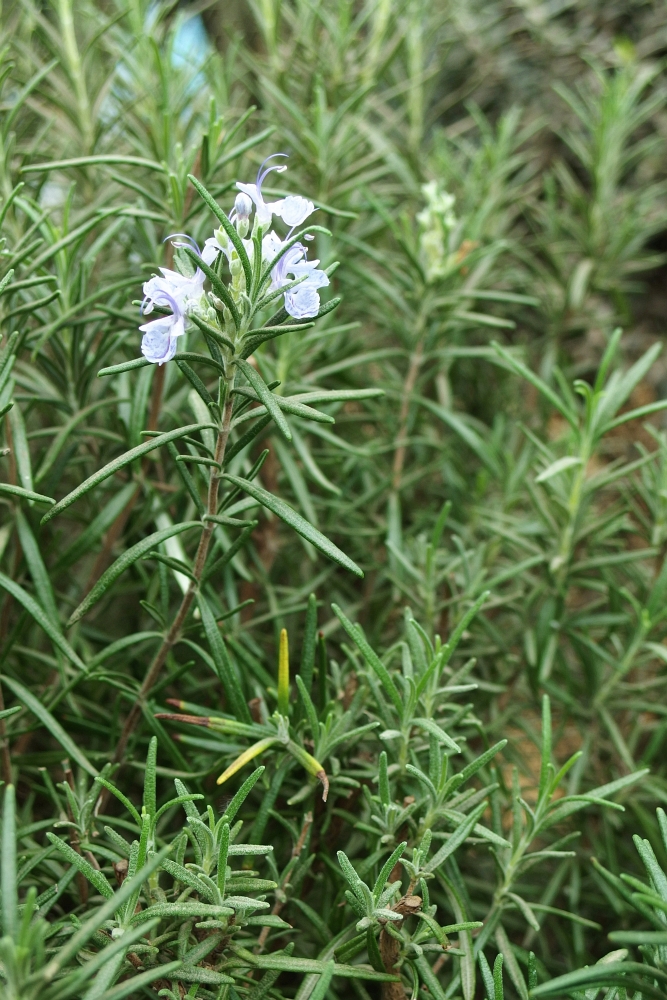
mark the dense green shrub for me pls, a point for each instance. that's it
(436, 465)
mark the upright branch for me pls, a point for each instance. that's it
(265, 271)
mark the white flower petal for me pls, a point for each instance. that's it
(293, 210)
(158, 343)
(302, 302)
(211, 250)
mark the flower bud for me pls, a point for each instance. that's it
(242, 207)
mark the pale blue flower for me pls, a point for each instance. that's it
(160, 336)
(173, 291)
(302, 301)
(293, 210)
(172, 286)
(263, 212)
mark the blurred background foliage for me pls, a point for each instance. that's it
(493, 176)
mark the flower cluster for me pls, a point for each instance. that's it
(436, 221)
(177, 295)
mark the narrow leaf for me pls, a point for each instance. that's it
(266, 397)
(18, 491)
(47, 720)
(96, 878)
(556, 467)
(295, 521)
(118, 464)
(371, 658)
(8, 858)
(42, 619)
(129, 557)
(223, 664)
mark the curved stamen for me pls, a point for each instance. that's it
(262, 174)
(161, 298)
(186, 237)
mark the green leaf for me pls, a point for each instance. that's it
(633, 975)
(526, 910)
(38, 571)
(513, 969)
(246, 438)
(119, 463)
(498, 987)
(88, 161)
(42, 619)
(371, 658)
(520, 369)
(196, 383)
(285, 963)
(121, 798)
(18, 491)
(309, 708)
(214, 335)
(126, 366)
(265, 395)
(641, 411)
(123, 562)
(462, 426)
(429, 726)
(387, 869)
(21, 449)
(105, 966)
(227, 556)
(289, 405)
(60, 439)
(619, 386)
(556, 467)
(84, 543)
(467, 772)
(308, 648)
(254, 338)
(461, 833)
(322, 986)
(295, 521)
(42, 713)
(179, 910)
(243, 793)
(441, 661)
(223, 664)
(188, 481)
(8, 858)
(129, 888)
(202, 359)
(187, 877)
(96, 878)
(637, 937)
(487, 977)
(467, 962)
(195, 974)
(135, 984)
(429, 979)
